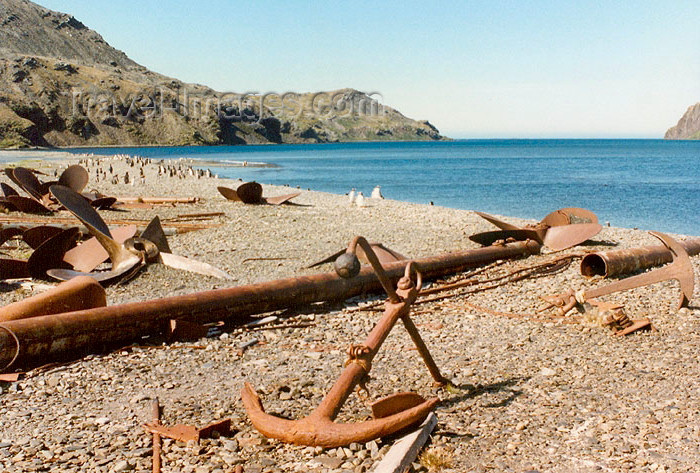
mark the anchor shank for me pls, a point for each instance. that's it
(639, 280)
(354, 371)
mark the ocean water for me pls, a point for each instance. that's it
(647, 184)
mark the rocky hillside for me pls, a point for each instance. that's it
(61, 84)
(688, 127)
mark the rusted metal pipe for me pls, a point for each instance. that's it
(44, 338)
(618, 262)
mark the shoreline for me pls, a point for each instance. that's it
(528, 394)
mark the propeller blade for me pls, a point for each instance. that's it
(27, 205)
(122, 273)
(81, 208)
(180, 262)
(50, 253)
(13, 269)
(28, 181)
(154, 233)
(499, 223)
(566, 236)
(103, 203)
(281, 199)
(36, 236)
(229, 193)
(8, 190)
(488, 238)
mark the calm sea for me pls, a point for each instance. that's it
(649, 184)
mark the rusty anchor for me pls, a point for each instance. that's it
(392, 413)
(680, 269)
(559, 230)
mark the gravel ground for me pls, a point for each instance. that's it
(529, 393)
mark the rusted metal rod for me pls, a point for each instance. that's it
(41, 339)
(157, 442)
(618, 262)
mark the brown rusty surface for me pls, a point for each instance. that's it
(75, 176)
(395, 403)
(13, 269)
(157, 441)
(184, 331)
(76, 294)
(7, 190)
(250, 193)
(190, 433)
(281, 199)
(35, 236)
(28, 205)
(618, 262)
(50, 254)
(47, 337)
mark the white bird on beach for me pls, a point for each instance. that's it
(360, 200)
(351, 196)
(377, 193)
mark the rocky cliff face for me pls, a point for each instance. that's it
(688, 127)
(61, 84)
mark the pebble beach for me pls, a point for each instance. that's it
(529, 392)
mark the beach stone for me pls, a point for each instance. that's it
(122, 465)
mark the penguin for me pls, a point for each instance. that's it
(351, 196)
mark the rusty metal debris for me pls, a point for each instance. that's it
(190, 433)
(251, 193)
(182, 432)
(613, 316)
(681, 270)
(618, 262)
(129, 256)
(48, 337)
(559, 230)
(401, 410)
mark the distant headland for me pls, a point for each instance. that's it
(61, 84)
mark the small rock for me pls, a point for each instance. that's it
(330, 462)
(122, 465)
(547, 372)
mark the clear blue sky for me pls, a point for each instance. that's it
(474, 69)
